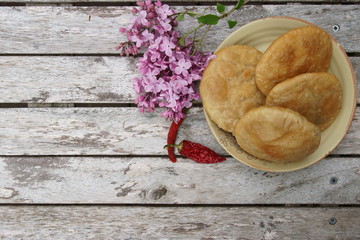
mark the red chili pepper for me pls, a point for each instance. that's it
(198, 152)
(172, 138)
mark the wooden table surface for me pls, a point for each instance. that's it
(78, 160)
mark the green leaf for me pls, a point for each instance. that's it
(239, 4)
(210, 19)
(220, 8)
(180, 17)
(231, 23)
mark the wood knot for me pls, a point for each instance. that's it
(158, 193)
(154, 193)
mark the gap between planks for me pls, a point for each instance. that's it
(75, 105)
(148, 156)
(350, 54)
(177, 205)
(171, 3)
(80, 105)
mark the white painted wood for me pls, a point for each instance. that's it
(82, 131)
(140, 173)
(181, 1)
(155, 180)
(67, 79)
(46, 29)
(59, 79)
(76, 30)
(111, 222)
(108, 131)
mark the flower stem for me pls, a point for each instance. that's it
(182, 39)
(201, 39)
(178, 146)
(184, 12)
(227, 13)
(193, 30)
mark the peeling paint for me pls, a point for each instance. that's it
(124, 189)
(32, 171)
(7, 193)
(106, 96)
(191, 226)
(100, 12)
(137, 169)
(88, 140)
(269, 235)
(172, 171)
(86, 90)
(42, 97)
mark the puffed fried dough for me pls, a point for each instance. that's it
(277, 134)
(317, 96)
(300, 50)
(228, 89)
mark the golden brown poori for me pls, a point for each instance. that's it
(228, 89)
(300, 50)
(317, 96)
(277, 134)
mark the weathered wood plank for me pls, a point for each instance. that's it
(86, 79)
(76, 30)
(102, 222)
(108, 131)
(67, 79)
(145, 180)
(186, 2)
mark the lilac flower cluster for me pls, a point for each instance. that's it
(168, 69)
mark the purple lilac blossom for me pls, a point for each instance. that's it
(168, 70)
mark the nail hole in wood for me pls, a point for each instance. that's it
(332, 221)
(333, 180)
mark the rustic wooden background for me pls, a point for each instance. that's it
(78, 160)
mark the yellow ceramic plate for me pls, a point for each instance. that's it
(260, 34)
